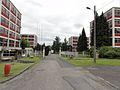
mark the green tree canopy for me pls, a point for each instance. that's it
(24, 43)
(102, 32)
(64, 46)
(56, 44)
(82, 44)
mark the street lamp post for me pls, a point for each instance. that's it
(94, 31)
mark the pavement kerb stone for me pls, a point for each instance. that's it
(27, 68)
(109, 83)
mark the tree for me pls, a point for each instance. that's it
(47, 49)
(38, 47)
(102, 32)
(56, 45)
(64, 46)
(24, 44)
(82, 44)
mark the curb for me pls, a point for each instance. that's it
(109, 83)
(4, 81)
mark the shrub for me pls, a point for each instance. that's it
(109, 52)
(91, 51)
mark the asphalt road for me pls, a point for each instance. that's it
(55, 74)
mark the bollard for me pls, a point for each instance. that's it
(7, 69)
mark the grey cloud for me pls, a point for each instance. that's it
(35, 3)
(78, 25)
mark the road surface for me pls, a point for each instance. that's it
(55, 74)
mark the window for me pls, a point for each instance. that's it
(117, 30)
(4, 22)
(3, 32)
(12, 18)
(18, 23)
(117, 40)
(11, 43)
(3, 42)
(6, 3)
(13, 10)
(12, 35)
(110, 23)
(12, 26)
(117, 22)
(117, 13)
(108, 14)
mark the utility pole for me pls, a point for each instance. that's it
(94, 56)
(94, 34)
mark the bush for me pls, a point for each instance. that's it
(91, 51)
(109, 52)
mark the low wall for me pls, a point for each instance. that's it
(69, 53)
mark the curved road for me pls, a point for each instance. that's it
(55, 74)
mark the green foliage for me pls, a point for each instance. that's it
(109, 52)
(82, 42)
(64, 46)
(56, 45)
(91, 51)
(38, 47)
(24, 43)
(102, 32)
(47, 49)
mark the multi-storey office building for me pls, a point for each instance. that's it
(10, 26)
(31, 38)
(73, 42)
(113, 18)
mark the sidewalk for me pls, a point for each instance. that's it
(109, 73)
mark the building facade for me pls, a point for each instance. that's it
(73, 42)
(113, 18)
(10, 26)
(31, 38)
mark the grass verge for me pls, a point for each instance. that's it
(16, 67)
(87, 61)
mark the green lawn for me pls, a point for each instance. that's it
(35, 59)
(87, 61)
(17, 67)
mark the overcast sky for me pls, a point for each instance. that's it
(63, 18)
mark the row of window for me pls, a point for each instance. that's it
(30, 36)
(4, 32)
(5, 12)
(7, 4)
(3, 42)
(5, 23)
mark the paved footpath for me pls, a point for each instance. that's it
(55, 74)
